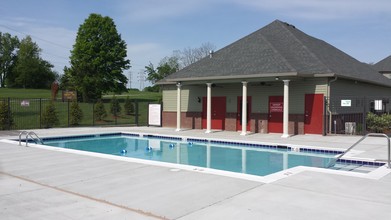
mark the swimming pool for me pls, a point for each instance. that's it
(248, 158)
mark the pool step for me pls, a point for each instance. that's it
(354, 167)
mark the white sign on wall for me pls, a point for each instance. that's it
(346, 102)
(154, 114)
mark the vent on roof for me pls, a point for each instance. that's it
(289, 25)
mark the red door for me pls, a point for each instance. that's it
(239, 114)
(218, 113)
(276, 107)
(313, 114)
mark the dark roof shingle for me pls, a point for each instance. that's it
(278, 48)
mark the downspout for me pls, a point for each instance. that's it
(328, 106)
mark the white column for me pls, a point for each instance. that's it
(244, 109)
(208, 107)
(178, 107)
(285, 125)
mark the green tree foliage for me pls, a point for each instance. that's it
(128, 106)
(98, 59)
(99, 111)
(50, 116)
(167, 66)
(6, 116)
(31, 71)
(8, 52)
(115, 107)
(76, 114)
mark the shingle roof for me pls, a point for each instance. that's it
(383, 65)
(278, 49)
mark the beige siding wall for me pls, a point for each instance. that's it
(259, 94)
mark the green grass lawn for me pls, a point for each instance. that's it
(28, 117)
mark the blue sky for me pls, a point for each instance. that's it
(153, 29)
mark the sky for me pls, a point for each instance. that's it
(153, 29)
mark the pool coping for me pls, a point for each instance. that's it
(375, 174)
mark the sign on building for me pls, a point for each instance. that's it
(154, 114)
(346, 103)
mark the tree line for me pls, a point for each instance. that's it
(21, 65)
(97, 61)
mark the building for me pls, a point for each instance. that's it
(384, 67)
(275, 80)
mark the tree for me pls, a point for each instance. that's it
(8, 51)
(49, 116)
(31, 71)
(98, 59)
(76, 113)
(6, 116)
(115, 107)
(189, 55)
(167, 66)
(99, 111)
(128, 106)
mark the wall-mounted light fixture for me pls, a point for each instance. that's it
(277, 78)
(198, 99)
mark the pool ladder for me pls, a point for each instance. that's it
(32, 135)
(332, 162)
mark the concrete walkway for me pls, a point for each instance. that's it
(38, 183)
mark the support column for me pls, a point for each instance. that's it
(285, 129)
(208, 108)
(244, 109)
(178, 107)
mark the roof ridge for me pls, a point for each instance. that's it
(284, 25)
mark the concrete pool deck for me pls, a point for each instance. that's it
(38, 183)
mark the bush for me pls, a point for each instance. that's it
(76, 114)
(49, 116)
(99, 111)
(6, 117)
(128, 106)
(378, 123)
(115, 107)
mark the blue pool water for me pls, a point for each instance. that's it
(258, 160)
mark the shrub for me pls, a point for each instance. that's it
(6, 117)
(378, 123)
(49, 116)
(128, 106)
(99, 111)
(115, 107)
(76, 114)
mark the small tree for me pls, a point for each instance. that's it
(76, 113)
(115, 107)
(128, 106)
(99, 111)
(6, 117)
(49, 116)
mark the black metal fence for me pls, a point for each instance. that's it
(27, 113)
(348, 115)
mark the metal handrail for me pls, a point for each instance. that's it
(29, 133)
(332, 163)
(20, 136)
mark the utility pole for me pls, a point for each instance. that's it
(130, 79)
(141, 79)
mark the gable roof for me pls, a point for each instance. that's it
(384, 65)
(278, 49)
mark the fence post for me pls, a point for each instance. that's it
(324, 116)
(93, 114)
(9, 113)
(68, 112)
(364, 116)
(136, 112)
(40, 113)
